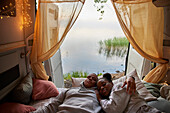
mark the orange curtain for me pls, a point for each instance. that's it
(54, 19)
(143, 25)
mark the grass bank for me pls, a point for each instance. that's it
(77, 74)
(115, 42)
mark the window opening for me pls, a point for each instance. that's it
(94, 45)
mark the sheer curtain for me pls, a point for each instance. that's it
(54, 19)
(143, 25)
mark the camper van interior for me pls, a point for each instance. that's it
(31, 73)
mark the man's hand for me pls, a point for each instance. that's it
(98, 95)
(131, 86)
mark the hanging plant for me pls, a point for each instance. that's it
(100, 4)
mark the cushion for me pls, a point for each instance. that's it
(139, 86)
(76, 81)
(153, 88)
(43, 89)
(15, 108)
(161, 104)
(165, 92)
(22, 92)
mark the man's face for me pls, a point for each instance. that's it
(91, 80)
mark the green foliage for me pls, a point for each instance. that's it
(99, 4)
(122, 41)
(99, 74)
(114, 47)
(100, 1)
(77, 74)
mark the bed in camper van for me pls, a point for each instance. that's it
(22, 92)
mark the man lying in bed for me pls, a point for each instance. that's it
(79, 99)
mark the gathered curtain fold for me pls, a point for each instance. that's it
(54, 19)
(143, 25)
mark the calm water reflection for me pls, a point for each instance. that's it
(113, 51)
(85, 54)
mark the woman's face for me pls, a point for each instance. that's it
(104, 87)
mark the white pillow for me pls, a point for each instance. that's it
(139, 86)
(76, 81)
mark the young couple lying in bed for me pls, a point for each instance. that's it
(107, 98)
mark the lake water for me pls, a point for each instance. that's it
(81, 51)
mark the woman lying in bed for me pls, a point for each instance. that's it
(115, 99)
(78, 99)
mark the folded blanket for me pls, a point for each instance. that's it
(165, 92)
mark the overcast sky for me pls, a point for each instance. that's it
(88, 22)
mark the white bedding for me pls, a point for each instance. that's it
(38, 104)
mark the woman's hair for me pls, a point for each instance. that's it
(108, 77)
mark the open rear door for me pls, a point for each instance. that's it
(53, 67)
(136, 61)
